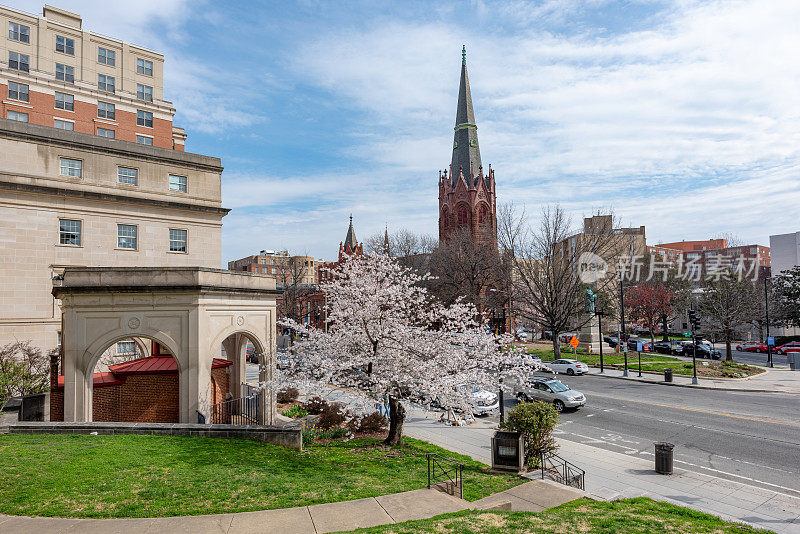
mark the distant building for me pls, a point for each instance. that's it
(703, 257)
(620, 242)
(785, 251)
(286, 269)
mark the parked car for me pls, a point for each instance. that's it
(792, 346)
(570, 367)
(668, 347)
(613, 341)
(549, 390)
(752, 346)
(566, 336)
(703, 351)
(483, 402)
(632, 344)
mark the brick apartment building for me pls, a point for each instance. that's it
(703, 257)
(92, 172)
(281, 266)
(55, 73)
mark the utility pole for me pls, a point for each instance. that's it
(693, 323)
(622, 327)
(600, 328)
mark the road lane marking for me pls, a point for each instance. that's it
(710, 413)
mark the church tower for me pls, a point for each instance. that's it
(466, 193)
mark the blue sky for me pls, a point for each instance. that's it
(681, 115)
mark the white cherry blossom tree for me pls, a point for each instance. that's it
(387, 336)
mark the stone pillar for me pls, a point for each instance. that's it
(590, 336)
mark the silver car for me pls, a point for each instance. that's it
(549, 390)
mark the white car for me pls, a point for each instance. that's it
(483, 402)
(570, 367)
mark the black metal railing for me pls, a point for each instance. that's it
(241, 411)
(556, 468)
(446, 474)
(248, 390)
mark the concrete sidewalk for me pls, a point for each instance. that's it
(612, 475)
(774, 381)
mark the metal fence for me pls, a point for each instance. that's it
(245, 410)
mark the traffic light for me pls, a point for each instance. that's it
(694, 320)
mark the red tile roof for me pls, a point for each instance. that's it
(157, 364)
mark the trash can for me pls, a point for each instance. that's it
(794, 361)
(664, 458)
(667, 375)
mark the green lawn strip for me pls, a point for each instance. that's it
(713, 369)
(156, 476)
(610, 359)
(631, 516)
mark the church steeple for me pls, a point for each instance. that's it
(350, 242)
(466, 154)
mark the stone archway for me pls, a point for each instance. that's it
(180, 308)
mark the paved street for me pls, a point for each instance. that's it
(747, 437)
(754, 358)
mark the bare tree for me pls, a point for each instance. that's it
(548, 262)
(24, 370)
(293, 279)
(402, 243)
(464, 268)
(728, 305)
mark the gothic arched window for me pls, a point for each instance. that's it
(463, 215)
(483, 214)
(445, 218)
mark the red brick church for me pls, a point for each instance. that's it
(466, 193)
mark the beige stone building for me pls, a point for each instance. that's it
(73, 199)
(286, 269)
(54, 72)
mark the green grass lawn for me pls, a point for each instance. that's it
(156, 476)
(608, 358)
(631, 516)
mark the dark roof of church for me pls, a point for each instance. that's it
(466, 152)
(350, 241)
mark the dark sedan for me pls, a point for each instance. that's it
(703, 351)
(668, 347)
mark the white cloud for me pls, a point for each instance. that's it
(697, 113)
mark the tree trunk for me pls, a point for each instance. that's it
(666, 327)
(556, 347)
(397, 416)
(728, 353)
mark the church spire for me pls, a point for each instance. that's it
(386, 250)
(350, 242)
(466, 154)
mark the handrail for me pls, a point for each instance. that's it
(562, 471)
(241, 411)
(446, 471)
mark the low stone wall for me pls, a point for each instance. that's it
(287, 436)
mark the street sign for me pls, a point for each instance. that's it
(771, 341)
(639, 346)
(574, 342)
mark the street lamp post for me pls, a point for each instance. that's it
(600, 328)
(693, 324)
(766, 309)
(622, 326)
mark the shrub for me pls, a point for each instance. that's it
(287, 395)
(332, 416)
(334, 433)
(295, 412)
(310, 435)
(373, 422)
(315, 405)
(536, 421)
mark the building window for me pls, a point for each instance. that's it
(65, 101)
(63, 125)
(105, 132)
(17, 116)
(177, 183)
(126, 175)
(18, 61)
(18, 91)
(65, 44)
(177, 240)
(105, 83)
(126, 347)
(65, 73)
(144, 92)
(126, 236)
(463, 216)
(19, 32)
(69, 232)
(144, 140)
(71, 167)
(106, 56)
(144, 67)
(106, 111)
(144, 118)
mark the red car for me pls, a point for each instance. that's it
(792, 346)
(752, 346)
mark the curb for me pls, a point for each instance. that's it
(688, 385)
